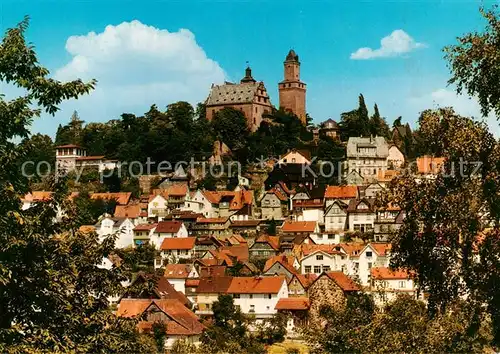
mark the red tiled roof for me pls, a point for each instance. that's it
(308, 249)
(381, 248)
(212, 271)
(245, 223)
(122, 198)
(285, 261)
(128, 211)
(177, 190)
(37, 196)
(239, 198)
(214, 285)
(238, 251)
(341, 192)
(184, 321)
(192, 283)
(273, 241)
(90, 158)
(293, 303)
(387, 273)
(177, 271)
(255, 285)
(343, 281)
(178, 243)
(211, 220)
(352, 248)
(278, 194)
(299, 226)
(429, 164)
(144, 227)
(168, 227)
(304, 279)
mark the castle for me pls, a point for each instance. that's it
(251, 97)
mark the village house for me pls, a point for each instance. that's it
(237, 203)
(293, 175)
(167, 229)
(387, 284)
(255, 296)
(395, 159)
(264, 246)
(174, 249)
(180, 322)
(177, 194)
(197, 202)
(72, 157)
(245, 227)
(429, 167)
(361, 215)
(385, 177)
(160, 288)
(331, 129)
(331, 289)
(34, 197)
(371, 190)
(158, 206)
(340, 193)
(336, 216)
(177, 274)
(387, 221)
(367, 156)
(130, 211)
(281, 265)
(374, 254)
(296, 310)
(143, 234)
(273, 205)
(295, 156)
(322, 258)
(204, 244)
(212, 226)
(299, 283)
(123, 228)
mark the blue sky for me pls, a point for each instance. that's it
(162, 51)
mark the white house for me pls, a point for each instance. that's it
(366, 156)
(176, 274)
(395, 159)
(375, 254)
(322, 260)
(168, 229)
(258, 295)
(197, 202)
(387, 284)
(158, 206)
(336, 216)
(294, 156)
(122, 227)
(143, 233)
(174, 249)
(361, 215)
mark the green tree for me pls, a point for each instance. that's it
(378, 125)
(474, 63)
(40, 151)
(89, 210)
(271, 228)
(446, 216)
(230, 126)
(356, 122)
(53, 296)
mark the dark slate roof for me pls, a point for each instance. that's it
(232, 93)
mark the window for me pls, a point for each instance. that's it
(326, 268)
(317, 269)
(319, 257)
(252, 308)
(236, 296)
(402, 284)
(294, 160)
(331, 237)
(269, 296)
(370, 265)
(307, 269)
(251, 296)
(369, 253)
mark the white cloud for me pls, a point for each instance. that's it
(462, 104)
(397, 43)
(136, 65)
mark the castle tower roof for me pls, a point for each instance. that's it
(292, 56)
(248, 76)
